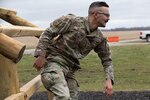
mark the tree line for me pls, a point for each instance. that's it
(128, 29)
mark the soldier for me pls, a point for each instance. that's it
(68, 39)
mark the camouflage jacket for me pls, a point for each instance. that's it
(69, 37)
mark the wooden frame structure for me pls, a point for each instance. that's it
(11, 51)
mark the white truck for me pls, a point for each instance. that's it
(145, 35)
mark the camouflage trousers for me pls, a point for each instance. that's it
(60, 80)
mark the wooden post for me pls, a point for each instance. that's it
(11, 17)
(11, 48)
(9, 83)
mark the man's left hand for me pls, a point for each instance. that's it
(108, 88)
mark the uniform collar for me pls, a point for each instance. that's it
(87, 25)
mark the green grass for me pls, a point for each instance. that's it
(131, 66)
(25, 70)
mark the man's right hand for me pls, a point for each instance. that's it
(39, 63)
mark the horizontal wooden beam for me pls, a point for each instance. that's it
(27, 90)
(31, 87)
(16, 31)
(18, 96)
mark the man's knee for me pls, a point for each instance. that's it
(56, 83)
(52, 75)
(47, 80)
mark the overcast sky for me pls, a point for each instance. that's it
(124, 13)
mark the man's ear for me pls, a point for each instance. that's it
(95, 15)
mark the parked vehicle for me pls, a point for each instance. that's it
(145, 35)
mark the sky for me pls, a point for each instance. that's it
(124, 13)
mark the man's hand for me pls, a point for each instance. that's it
(108, 88)
(39, 63)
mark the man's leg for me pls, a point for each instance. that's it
(53, 79)
(73, 85)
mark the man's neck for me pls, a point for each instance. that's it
(92, 25)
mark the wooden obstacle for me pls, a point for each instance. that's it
(27, 90)
(11, 52)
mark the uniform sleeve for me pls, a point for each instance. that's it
(104, 54)
(57, 27)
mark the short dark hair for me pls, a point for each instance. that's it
(97, 4)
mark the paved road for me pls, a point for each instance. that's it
(29, 51)
(120, 43)
(129, 42)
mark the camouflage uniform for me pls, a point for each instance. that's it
(67, 40)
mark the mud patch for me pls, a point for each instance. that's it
(92, 95)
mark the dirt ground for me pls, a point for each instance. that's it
(31, 42)
(98, 95)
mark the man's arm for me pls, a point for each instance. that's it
(104, 54)
(59, 26)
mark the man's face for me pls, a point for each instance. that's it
(102, 16)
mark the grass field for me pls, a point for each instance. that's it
(131, 65)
